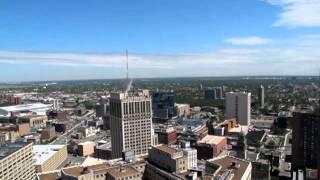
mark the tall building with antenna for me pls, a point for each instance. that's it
(127, 61)
(130, 120)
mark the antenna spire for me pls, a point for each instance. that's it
(127, 65)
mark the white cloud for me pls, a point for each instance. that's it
(297, 56)
(298, 13)
(249, 41)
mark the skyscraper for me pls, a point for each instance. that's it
(213, 93)
(238, 105)
(261, 96)
(305, 140)
(163, 104)
(131, 122)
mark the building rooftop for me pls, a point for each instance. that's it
(74, 171)
(239, 129)
(123, 172)
(38, 108)
(43, 152)
(166, 149)
(25, 107)
(9, 148)
(230, 165)
(90, 161)
(87, 142)
(255, 137)
(210, 139)
(79, 170)
(49, 176)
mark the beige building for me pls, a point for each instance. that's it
(35, 121)
(168, 158)
(49, 157)
(16, 162)
(86, 148)
(131, 122)
(100, 171)
(120, 173)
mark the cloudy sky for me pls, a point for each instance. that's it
(87, 39)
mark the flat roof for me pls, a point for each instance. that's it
(24, 107)
(9, 148)
(48, 176)
(166, 149)
(123, 172)
(238, 129)
(210, 139)
(43, 152)
(87, 142)
(225, 163)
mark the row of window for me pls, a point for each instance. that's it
(136, 107)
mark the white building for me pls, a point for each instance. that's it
(131, 122)
(49, 157)
(238, 105)
(25, 109)
(88, 131)
(190, 154)
(183, 110)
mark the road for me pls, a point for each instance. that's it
(61, 139)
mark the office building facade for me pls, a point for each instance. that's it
(163, 104)
(131, 122)
(305, 140)
(16, 162)
(238, 105)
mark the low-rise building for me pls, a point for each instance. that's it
(61, 126)
(25, 109)
(182, 110)
(211, 146)
(168, 158)
(97, 171)
(103, 151)
(228, 167)
(35, 121)
(23, 129)
(193, 131)
(120, 173)
(86, 148)
(223, 128)
(49, 157)
(167, 135)
(88, 131)
(96, 123)
(260, 170)
(48, 133)
(190, 154)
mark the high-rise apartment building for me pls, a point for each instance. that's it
(261, 96)
(238, 105)
(16, 162)
(131, 122)
(305, 140)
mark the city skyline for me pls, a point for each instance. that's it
(167, 39)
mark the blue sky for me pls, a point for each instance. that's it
(78, 39)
